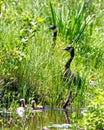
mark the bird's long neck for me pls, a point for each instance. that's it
(54, 36)
(67, 65)
(22, 104)
(32, 106)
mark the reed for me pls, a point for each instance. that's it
(73, 20)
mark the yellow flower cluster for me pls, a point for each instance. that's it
(40, 20)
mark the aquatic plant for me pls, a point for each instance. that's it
(31, 67)
(93, 116)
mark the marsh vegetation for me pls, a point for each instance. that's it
(31, 68)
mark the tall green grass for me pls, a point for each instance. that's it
(73, 20)
(27, 55)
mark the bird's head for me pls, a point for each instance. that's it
(70, 49)
(33, 104)
(22, 102)
(53, 28)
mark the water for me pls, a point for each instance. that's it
(47, 119)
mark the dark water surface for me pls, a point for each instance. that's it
(46, 119)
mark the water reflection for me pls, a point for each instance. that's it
(47, 119)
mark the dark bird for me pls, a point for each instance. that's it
(54, 29)
(68, 100)
(67, 74)
(70, 77)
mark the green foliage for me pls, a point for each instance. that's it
(93, 117)
(30, 67)
(73, 20)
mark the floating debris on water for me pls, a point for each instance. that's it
(61, 126)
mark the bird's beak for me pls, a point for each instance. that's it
(50, 27)
(65, 49)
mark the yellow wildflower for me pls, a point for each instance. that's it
(40, 20)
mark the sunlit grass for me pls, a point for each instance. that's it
(24, 28)
(31, 68)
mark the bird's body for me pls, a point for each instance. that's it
(67, 74)
(36, 107)
(21, 110)
(70, 77)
